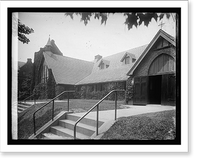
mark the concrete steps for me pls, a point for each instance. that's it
(22, 106)
(65, 128)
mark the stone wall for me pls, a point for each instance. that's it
(59, 88)
(98, 91)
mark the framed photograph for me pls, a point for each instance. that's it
(94, 76)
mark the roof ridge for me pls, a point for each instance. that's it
(125, 51)
(72, 58)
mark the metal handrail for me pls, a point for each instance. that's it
(52, 107)
(27, 98)
(97, 105)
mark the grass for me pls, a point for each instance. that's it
(151, 126)
(25, 119)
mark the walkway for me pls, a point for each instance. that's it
(43, 101)
(108, 116)
(130, 111)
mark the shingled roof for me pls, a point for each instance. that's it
(67, 70)
(116, 71)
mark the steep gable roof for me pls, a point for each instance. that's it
(67, 70)
(159, 34)
(115, 72)
(49, 42)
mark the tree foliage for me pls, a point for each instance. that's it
(131, 19)
(23, 30)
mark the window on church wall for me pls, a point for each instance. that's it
(44, 74)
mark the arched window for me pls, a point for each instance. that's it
(162, 64)
(44, 74)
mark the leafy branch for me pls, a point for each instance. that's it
(131, 18)
(23, 30)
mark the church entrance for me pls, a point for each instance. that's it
(159, 86)
(158, 89)
(154, 89)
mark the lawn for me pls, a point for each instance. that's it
(25, 119)
(150, 126)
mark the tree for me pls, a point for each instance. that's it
(131, 19)
(23, 30)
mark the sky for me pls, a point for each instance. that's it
(76, 40)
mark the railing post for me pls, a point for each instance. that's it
(52, 110)
(75, 131)
(97, 128)
(34, 124)
(115, 105)
(68, 101)
(34, 99)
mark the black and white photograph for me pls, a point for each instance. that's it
(94, 75)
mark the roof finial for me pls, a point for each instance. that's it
(49, 41)
(161, 25)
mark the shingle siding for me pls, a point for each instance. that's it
(142, 69)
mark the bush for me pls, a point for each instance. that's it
(87, 92)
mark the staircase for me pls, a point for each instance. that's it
(65, 129)
(22, 106)
(71, 126)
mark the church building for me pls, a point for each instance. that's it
(54, 73)
(153, 75)
(147, 73)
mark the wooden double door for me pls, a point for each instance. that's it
(158, 89)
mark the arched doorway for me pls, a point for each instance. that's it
(161, 81)
(162, 64)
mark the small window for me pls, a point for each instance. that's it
(104, 64)
(101, 66)
(133, 60)
(127, 60)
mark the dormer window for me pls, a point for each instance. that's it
(104, 64)
(101, 66)
(128, 58)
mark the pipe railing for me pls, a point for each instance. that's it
(27, 98)
(52, 109)
(97, 105)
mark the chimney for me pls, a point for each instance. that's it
(29, 60)
(97, 58)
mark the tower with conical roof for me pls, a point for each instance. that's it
(39, 58)
(51, 46)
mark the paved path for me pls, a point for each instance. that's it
(130, 111)
(43, 101)
(108, 116)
